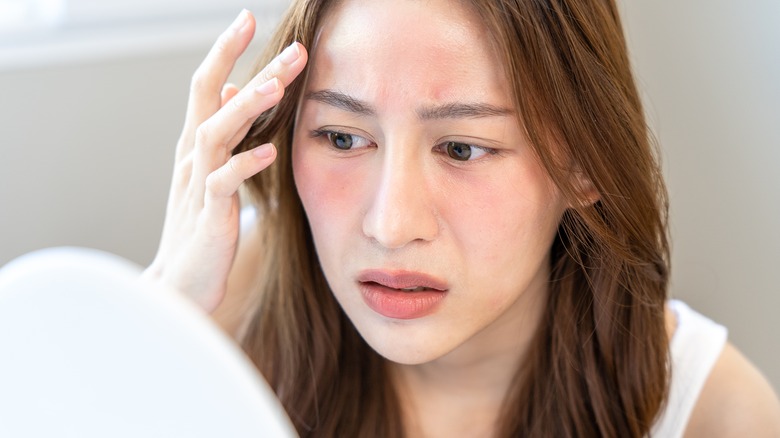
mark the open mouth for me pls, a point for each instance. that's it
(415, 289)
(401, 294)
(405, 289)
(408, 281)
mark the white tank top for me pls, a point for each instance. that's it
(695, 347)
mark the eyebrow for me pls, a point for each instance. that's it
(445, 111)
(462, 111)
(342, 101)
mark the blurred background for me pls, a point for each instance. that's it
(93, 93)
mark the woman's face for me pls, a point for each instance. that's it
(431, 216)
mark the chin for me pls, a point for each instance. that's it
(405, 347)
(406, 356)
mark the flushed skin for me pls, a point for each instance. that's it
(599, 249)
(397, 201)
(577, 346)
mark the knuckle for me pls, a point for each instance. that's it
(234, 165)
(268, 73)
(240, 104)
(183, 170)
(202, 133)
(265, 76)
(214, 182)
(199, 81)
(222, 44)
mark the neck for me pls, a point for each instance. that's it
(465, 389)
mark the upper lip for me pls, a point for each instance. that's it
(399, 279)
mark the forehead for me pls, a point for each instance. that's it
(429, 50)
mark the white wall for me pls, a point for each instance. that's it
(87, 145)
(87, 152)
(711, 73)
(89, 119)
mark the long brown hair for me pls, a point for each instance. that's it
(598, 366)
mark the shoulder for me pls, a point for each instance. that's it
(736, 401)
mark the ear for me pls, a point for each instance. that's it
(587, 193)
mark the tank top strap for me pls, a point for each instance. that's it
(695, 347)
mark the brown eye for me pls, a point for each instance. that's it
(340, 141)
(458, 151)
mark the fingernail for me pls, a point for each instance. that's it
(290, 54)
(263, 151)
(240, 21)
(269, 87)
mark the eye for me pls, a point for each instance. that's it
(465, 152)
(341, 140)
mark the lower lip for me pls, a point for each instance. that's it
(393, 303)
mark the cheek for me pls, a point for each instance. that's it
(505, 229)
(498, 218)
(326, 188)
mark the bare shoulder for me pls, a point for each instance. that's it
(736, 401)
(242, 282)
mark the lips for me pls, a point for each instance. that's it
(401, 294)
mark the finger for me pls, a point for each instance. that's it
(214, 138)
(223, 183)
(228, 92)
(252, 100)
(240, 134)
(212, 73)
(286, 66)
(235, 124)
(212, 141)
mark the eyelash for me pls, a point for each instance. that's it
(444, 146)
(328, 134)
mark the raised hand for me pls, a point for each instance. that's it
(200, 234)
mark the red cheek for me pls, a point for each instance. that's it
(327, 189)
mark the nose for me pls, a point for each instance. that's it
(401, 209)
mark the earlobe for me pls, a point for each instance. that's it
(587, 193)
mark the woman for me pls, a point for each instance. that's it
(462, 234)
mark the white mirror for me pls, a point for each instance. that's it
(89, 351)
